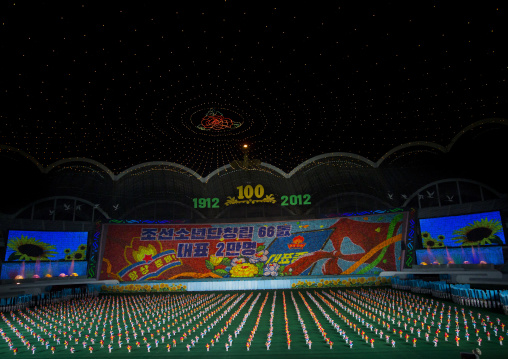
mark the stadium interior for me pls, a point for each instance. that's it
(188, 167)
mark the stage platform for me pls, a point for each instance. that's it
(457, 273)
(37, 286)
(470, 274)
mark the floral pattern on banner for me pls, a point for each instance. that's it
(347, 282)
(245, 267)
(144, 288)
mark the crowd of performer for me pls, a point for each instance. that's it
(367, 316)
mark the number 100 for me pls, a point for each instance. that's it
(248, 191)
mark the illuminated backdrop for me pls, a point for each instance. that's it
(354, 245)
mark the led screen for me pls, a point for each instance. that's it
(46, 246)
(478, 229)
(354, 245)
(464, 255)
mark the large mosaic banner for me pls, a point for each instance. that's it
(333, 246)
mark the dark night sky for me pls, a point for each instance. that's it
(129, 82)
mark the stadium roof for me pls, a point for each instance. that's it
(125, 83)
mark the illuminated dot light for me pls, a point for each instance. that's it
(79, 169)
(120, 84)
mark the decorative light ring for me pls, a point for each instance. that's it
(215, 120)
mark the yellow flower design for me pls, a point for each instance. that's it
(478, 233)
(78, 255)
(215, 260)
(244, 270)
(31, 249)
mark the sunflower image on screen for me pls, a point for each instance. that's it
(467, 230)
(77, 255)
(478, 233)
(30, 249)
(46, 246)
(429, 242)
